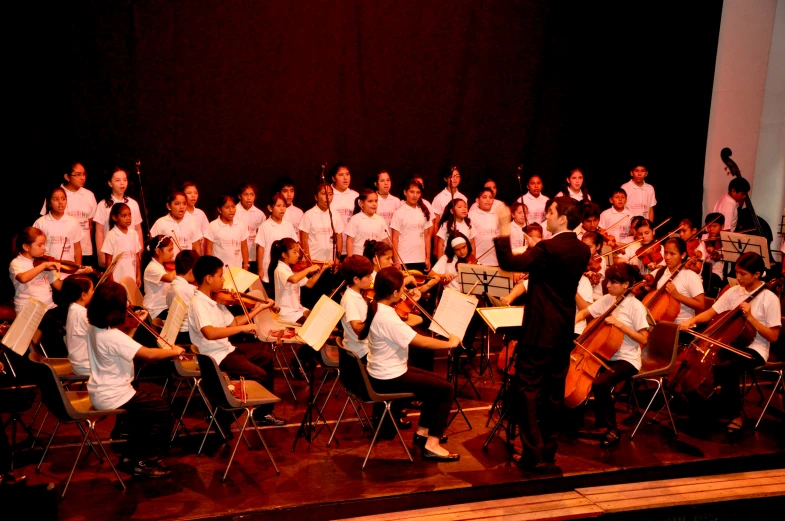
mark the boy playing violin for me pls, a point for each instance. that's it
(210, 325)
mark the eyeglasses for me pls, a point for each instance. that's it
(78, 174)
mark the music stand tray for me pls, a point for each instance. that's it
(734, 244)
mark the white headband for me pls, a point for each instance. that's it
(457, 241)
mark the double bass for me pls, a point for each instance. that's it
(593, 349)
(729, 330)
(748, 219)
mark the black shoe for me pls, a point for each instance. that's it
(611, 439)
(270, 420)
(419, 440)
(148, 469)
(432, 456)
(116, 435)
(524, 462)
(9, 479)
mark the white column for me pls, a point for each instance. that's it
(737, 104)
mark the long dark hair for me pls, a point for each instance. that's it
(373, 249)
(108, 202)
(388, 281)
(278, 248)
(449, 252)
(750, 261)
(115, 212)
(74, 286)
(448, 215)
(584, 191)
(420, 205)
(108, 306)
(364, 193)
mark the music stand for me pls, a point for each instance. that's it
(734, 244)
(488, 280)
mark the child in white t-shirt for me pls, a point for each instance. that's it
(227, 238)
(629, 316)
(411, 225)
(156, 276)
(459, 210)
(63, 232)
(118, 183)
(640, 195)
(365, 224)
(183, 286)
(388, 203)
(452, 181)
(148, 419)
(574, 187)
(253, 218)
(285, 185)
(356, 271)
(344, 198)
(122, 240)
(185, 231)
(285, 253)
(319, 228)
(270, 231)
(535, 201)
(485, 224)
(77, 292)
(192, 212)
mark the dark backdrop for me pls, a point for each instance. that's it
(219, 92)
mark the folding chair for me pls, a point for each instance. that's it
(268, 326)
(217, 388)
(774, 367)
(658, 359)
(71, 407)
(358, 387)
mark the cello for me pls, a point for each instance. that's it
(659, 302)
(748, 219)
(593, 349)
(729, 330)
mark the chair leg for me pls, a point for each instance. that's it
(90, 443)
(400, 437)
(212, 420)
(76, 462)
(237, 444)
(198, 384)
(40, 428)
(340, 416)
(174, 394)
(286, 378)
(327, 399)
(97, 439)
(773, 392)
(264, 443)
(46, 450)
(359, 405)
(659, 386)
(242, 429)
(182, 416)
(302, 369)
(668, 407)
(166, 384)
(375, 435)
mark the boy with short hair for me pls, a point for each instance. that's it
(182, 286)
(713, 275)
(285, 185)
(640, 195)
(210, 325)
(728, 204)
(616, 219)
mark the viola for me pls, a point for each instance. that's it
(593, 349)
(729, 330)
(610, 240)
(649, 253)
(402, 308)
(593, 270)
(714, 248)
(66, 266)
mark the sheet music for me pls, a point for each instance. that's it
(320, 322)
(243, 278)
(454, 313)
(497, 317)
(109, 269)
(174, 321)
(21, 332)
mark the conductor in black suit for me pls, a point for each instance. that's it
(555, 266)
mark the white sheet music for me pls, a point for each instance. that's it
(174, 321)
(320, 322)
(510, 316)
(21, 332)
(454, 313)
(243, 278)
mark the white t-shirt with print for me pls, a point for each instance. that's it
(585, 291)
(632, 314)
(460, 226)
(356, 311)
(316, 223)
(202, 312)
(103, 213)
(411, 225)
(537, 207)
(40, 288)
(269, 232)
(444, 198)
(387, 207)
(155, 288)
(125, 244)
(183, 289)
(227, 241)
(688, 283)
(61, 235)
(252, 218)
(765, 307)
(186, 231)
(77, 329)
(294, 215)
(361, 228)
(445, 267)
(486, 228)
(639, 198)
(343, 206)
(617, 223)
(287, 294)
(81, 205)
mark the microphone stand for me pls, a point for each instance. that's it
(520, 188)
(141, 197)
(330, 212)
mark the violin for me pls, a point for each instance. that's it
(610, 239)
(649, 253)
(714, 248)
(593, 349)
(402, 308)
(305, 261)
(169, 265)
(593, 270)
(729, 330)
(231, 298)
(66, 266)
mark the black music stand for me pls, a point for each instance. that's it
(734, 244)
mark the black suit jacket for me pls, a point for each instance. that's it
(555, 267)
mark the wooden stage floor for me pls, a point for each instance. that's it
(317, 482)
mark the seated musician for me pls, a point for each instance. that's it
(356, 271)
(389, 339)
(763, 313)
(630, 317)
(210, 325)
(148, 419)
(183, 286)
(686, 286)
(695, 248)
(643, 253)
(714, 275)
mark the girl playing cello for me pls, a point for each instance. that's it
(686, 286)
(762, 313)
(630, 317)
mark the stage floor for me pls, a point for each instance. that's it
(317, 482)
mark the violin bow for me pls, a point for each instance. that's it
(239, 298)
(62, 252)
(620, 221)
(395, 251)
(176, 242)
(657, 242)
(330, 212)
(718, 343)
(150, 329)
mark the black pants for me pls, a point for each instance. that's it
(52, 328)
(539, 395)
(252, 362)
(149, 422)
(434, 391)
(604, 412)
(727, 375)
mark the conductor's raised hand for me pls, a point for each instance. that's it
(504, 215)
